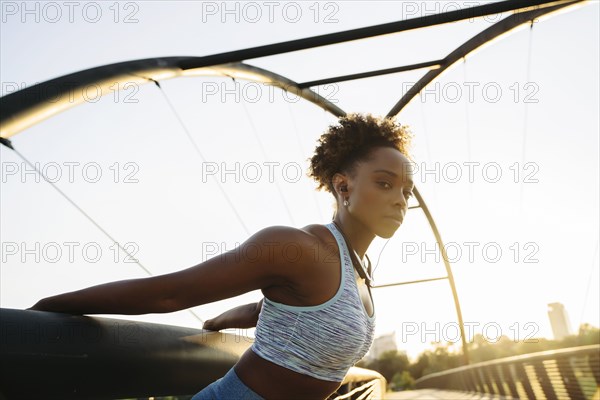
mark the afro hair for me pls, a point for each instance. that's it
(350, 141)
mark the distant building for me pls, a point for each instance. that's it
(381, 344)
(559, 320)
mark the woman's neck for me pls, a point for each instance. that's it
(356, 233)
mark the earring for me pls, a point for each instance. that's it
(346, 203)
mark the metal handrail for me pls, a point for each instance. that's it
(571, 373)
(61, 356)
(361, 383)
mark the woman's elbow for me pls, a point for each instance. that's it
(169, 305)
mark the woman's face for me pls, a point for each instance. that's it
(378, 194)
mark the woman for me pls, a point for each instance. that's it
(317, 317)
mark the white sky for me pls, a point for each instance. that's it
(173, 216)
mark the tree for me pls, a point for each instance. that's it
(416, 369)
(389, 363)
(403, 381)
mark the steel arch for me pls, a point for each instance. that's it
(482, 38)
(31, 105)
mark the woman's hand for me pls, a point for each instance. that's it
(35, 307)
(39, 306)
(244, 316)
(211, 325)
(46, 305)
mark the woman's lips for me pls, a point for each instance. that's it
(397, 219)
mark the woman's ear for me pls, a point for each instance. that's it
(340, 184)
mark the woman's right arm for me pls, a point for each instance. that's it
(260, 262)
(131, 297)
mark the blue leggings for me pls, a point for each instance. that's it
(228, 387)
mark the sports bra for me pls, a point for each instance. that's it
(322, 341)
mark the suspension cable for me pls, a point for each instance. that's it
(425, 136)
(302, 151)
(265, 157)
(467, 123)
(525, 115)
(187, 132)
(9, 144)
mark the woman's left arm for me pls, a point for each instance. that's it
(244, 316)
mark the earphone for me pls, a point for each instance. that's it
(345, 189)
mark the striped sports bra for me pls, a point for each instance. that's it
(322, 341)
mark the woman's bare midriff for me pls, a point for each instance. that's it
(274, 382)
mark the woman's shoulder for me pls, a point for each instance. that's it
(324, 240)
(320, 232)
(306, 234)
(312, 243)
(309, 256)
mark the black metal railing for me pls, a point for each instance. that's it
(46, 355)
(359, 384)
(572, 373)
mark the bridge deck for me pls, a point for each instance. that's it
(433, 394)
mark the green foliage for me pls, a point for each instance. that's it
(481, 349)
(389, 363)
(402, 381)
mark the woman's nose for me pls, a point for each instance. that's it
(402, 202)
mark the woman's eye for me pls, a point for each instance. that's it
(385, 184)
